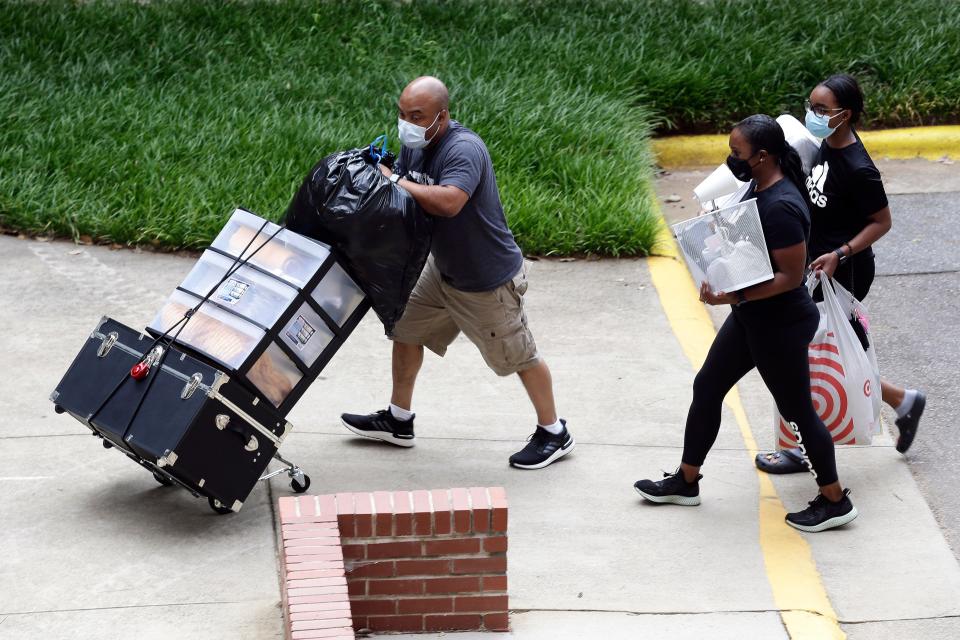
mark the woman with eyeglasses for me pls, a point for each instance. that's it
(849, 213)
(769, 329)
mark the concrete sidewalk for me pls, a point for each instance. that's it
(94, 548)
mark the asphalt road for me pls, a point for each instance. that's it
(915, 316)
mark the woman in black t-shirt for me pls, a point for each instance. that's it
(849, 213)
(770, 328)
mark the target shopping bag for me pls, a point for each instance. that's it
(844, 377)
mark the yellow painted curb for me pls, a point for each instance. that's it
(798, 592)
(931, 143)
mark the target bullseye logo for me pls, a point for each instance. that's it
(867, 388)
(828, 394)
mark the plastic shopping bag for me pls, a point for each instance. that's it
(382, 235)
(844, 377)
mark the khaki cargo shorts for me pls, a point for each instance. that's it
(493, 320)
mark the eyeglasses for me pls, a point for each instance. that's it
(820, 111)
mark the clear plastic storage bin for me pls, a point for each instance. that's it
(338, 294)
(307, 335)
(726, 247)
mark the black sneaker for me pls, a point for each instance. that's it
(673, 489)
(381, 426)
(823, 514)
(543, 448)
(908, 424)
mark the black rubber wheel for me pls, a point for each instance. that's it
(162, 479)
(217, 506)
(300, 488)
(107, 444)
(58, 409)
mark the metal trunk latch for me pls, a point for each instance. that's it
(191, 386)
(108, 341)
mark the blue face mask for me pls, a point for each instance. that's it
(819, 125)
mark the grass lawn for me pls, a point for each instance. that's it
(146, 124)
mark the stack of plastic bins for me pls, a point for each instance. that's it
(277, 320)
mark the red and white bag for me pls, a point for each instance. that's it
(844, 378)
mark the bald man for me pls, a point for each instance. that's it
(473, 282)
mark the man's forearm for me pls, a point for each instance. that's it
(444, 201)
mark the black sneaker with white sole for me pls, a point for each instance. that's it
(543, 448)
(908, 424)
(673, 489)
(821, 514)
(381, 425)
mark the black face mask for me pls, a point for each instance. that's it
(740, 168)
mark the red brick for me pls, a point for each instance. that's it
(481, 509)
(495, 564)
(313, 599)
(359, 622)
(497, 621)
(480, 603)
(363, 521)
(384, 508)
(317, 591)
(316, 603)
(310, 526)
(461, 510)
(372, 570)
(356, 588)
(498, 499)
(288, 508)
(327, 506)
(332, 623)
(307, 506)
(314, 573)
(394, 587)
(332, 554)
(301, 534)
(452, 623)
(393, 550)
(452, 585)
(314, 565)
(494, 583)
(395, 623)
(338, 633)
(374, 607)
(423, 567)
(345, 516)
(354, 551)
(316, 582)
(422, 513)
(331, 551)
(496, 544)
(426, 605)
(454, 546)
(402, 514)
(441, 512)
(322, 611)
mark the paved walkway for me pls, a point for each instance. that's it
(94, 548)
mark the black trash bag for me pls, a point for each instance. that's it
(381, 234)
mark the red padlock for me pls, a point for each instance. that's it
(140, 371)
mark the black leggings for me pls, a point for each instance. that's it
(779, 352)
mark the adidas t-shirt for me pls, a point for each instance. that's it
(845, 189)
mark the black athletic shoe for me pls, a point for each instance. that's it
(381, 426)
(673, 489)
(908, 424)
(543, 449)
(823, 514)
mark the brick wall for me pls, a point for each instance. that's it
(415, 560)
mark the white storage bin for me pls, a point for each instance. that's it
(338, 294)
(289, 255)
(248, 292)
(212, 331)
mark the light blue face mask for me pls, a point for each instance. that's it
(819, 125)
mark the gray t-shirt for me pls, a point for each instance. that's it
(474, 250)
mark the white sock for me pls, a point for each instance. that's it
(556, 428)
(399, 413)
(908, 397)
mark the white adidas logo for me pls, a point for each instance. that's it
(815, 182)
